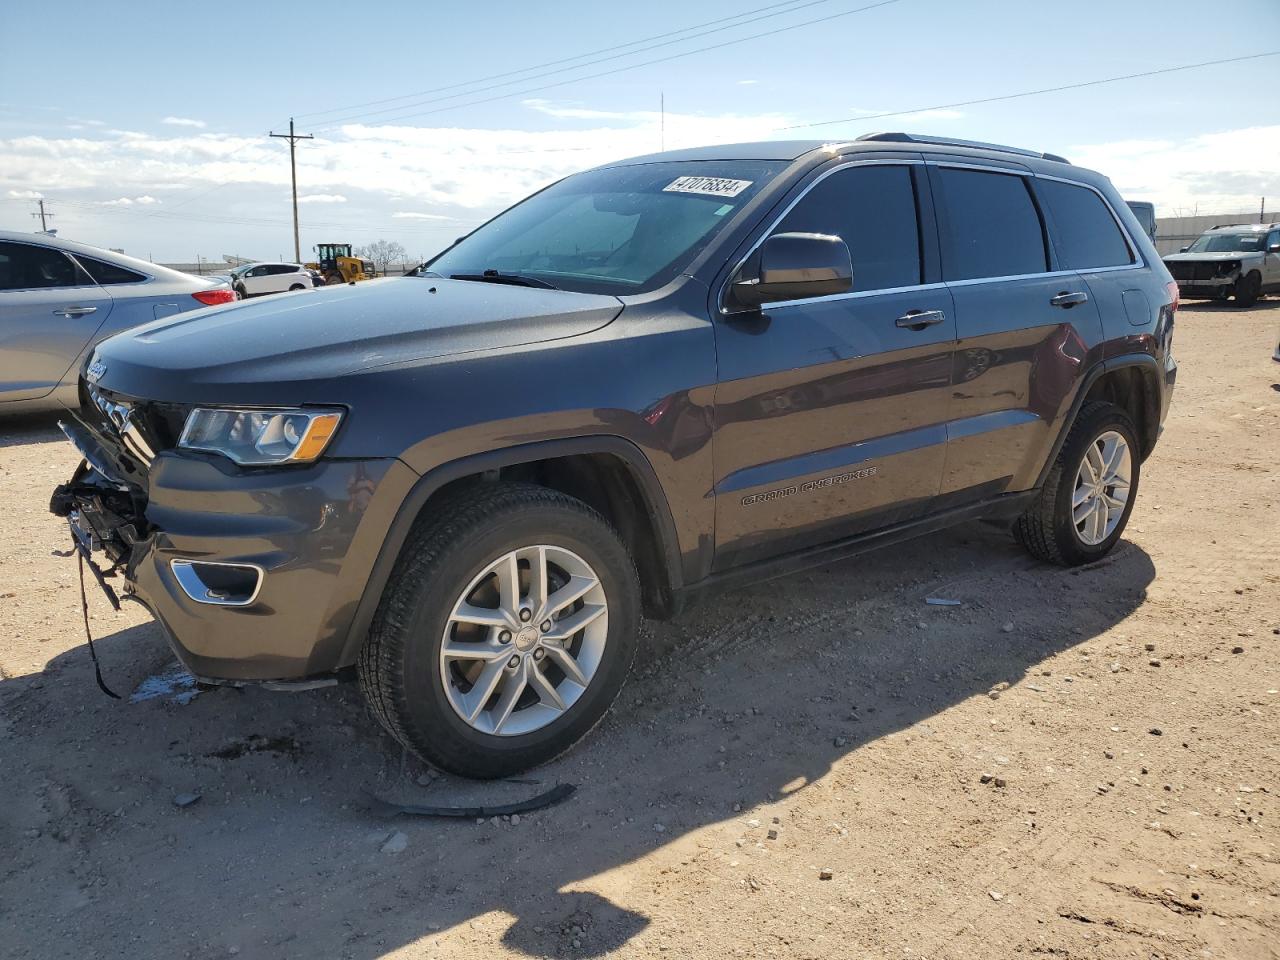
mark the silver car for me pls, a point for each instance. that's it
(58, 298)
(1240, 260)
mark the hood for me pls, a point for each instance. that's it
(1212, 257)
(332, 331)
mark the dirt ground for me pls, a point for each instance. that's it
(832, 721)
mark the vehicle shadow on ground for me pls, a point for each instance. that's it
(744, 701)
(20, 429)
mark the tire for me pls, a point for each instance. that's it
(417, 693)
(242, 293)
(296, 286)
(1047, 529)
(1248, 288)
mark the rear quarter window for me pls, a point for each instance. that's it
(1085, 234)
(107, 273)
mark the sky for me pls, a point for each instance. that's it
(145, 125)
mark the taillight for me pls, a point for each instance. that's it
(1171, 288)
(214, 297)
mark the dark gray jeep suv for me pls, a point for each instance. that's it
(653, 379)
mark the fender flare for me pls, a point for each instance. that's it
(651, 490)
(1150, 368)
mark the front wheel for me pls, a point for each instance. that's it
(1089, 493)
(505, 632)
(1248, 289)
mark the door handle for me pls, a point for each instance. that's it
(1069, 298)
(919, 319)
(70, 312)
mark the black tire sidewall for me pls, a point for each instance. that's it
(1252, 283)
(1106, 419)
(428, 713)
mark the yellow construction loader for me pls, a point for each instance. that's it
(335, 263)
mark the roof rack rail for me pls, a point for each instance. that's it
(1245, 223)
(953, 142)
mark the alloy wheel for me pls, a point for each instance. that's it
(1101, 490)
(524, 640)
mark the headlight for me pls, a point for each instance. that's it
(257, 437)
(1227, 267)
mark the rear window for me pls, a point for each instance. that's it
(1085, 234)
(106, 273)
(991, 227)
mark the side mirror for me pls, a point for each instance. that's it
(1183, 249)
(1274, 248)
(791, 266)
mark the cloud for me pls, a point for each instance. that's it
(323, 198)
(143, 200)
(26, 194)
(414, 215)
(747, 83)
(1227, 171)
(183, 122)
(566, 112)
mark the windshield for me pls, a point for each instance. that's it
(1229, 243)
(620, 230)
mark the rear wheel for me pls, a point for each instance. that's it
(1089, 493)
(296, 286)
(505, 633)
(1248, 288)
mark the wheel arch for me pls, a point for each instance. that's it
(609, 473)
(1131, 382)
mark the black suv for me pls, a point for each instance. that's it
(669, 375)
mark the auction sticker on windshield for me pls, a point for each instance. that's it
(709, 186)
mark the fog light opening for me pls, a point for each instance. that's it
(221, 584)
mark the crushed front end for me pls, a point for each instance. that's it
(254, 573)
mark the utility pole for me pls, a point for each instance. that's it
(1262, 212)
(662, 120)
(44, 226)
(293, 139)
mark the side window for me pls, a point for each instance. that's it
(1085, 234)
(1273, 238)
(991, 227)
(27, 267)
(106, 273)
(873, 209)
(282, 268)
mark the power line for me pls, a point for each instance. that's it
(591, 53)
(1029, 93)
(633, 66)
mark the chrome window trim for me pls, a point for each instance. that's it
(768, 231)
(1014, 170)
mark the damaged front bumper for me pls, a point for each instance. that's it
(254, 575)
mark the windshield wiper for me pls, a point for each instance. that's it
(515, 279)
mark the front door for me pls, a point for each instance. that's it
(49, 310)
(831, 412)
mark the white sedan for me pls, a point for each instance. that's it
(59, 298)
(253, 279)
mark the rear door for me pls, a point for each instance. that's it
(49, 310)
(831, 411)
(1024, 328)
